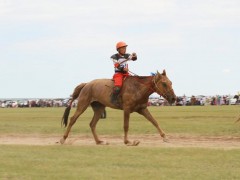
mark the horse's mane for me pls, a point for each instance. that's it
(141, 79)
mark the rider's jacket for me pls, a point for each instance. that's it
(117, 58)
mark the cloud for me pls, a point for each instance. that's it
(165, 34)
(189, 14)
(55, 9)
(208, 14)
(77, 23)
(226, 71)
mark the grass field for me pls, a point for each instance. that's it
(88, 161)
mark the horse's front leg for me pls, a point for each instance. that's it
(145, 112)
(126, 127)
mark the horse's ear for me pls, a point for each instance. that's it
(164, 72)
(158, 76)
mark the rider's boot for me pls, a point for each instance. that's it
(115, 93)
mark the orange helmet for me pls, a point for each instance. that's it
(121, 44)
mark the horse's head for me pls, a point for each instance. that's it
(163, 86)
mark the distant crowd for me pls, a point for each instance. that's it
(35, 103)
(198, 100)
(211, 100)
(153, 101)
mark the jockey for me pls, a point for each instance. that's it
(120, 67)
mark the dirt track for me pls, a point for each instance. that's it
(175, 140)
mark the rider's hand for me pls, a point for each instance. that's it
(116, 65)
(134, 56)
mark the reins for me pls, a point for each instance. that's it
(149, 85)
(155, 85)
(132, 73)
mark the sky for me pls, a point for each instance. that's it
(48, 47)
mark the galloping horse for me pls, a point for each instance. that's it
(133, 98)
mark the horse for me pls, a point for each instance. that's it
(133, 97)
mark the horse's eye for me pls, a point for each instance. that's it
(165, 85)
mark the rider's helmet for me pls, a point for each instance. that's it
(121, 44)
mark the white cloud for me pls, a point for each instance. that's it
(105, 11)
(198, 13)
(165, 33)
(226, 71)
(209, 14)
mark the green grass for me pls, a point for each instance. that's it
(98, 162)
(195, 120)
(120, 162)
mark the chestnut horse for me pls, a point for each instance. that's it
(133, 98)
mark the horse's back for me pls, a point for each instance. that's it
(99, 87)
(101, 82)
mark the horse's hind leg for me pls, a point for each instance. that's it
(78, 112)
(149, 117)
(126, 127)
(98, 109)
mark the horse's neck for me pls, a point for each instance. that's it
(147, 80)
(142, 83)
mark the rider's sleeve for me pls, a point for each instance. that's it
(126, 56)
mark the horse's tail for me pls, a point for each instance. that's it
(75, 95)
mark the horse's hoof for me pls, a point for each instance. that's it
(62, 141)
(134, 143)
(128, 143)
(102, 143)
(165, 139)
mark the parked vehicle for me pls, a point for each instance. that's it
(232, 101)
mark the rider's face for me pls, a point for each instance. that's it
(122, 50)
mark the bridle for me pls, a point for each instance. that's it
(156, 87)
